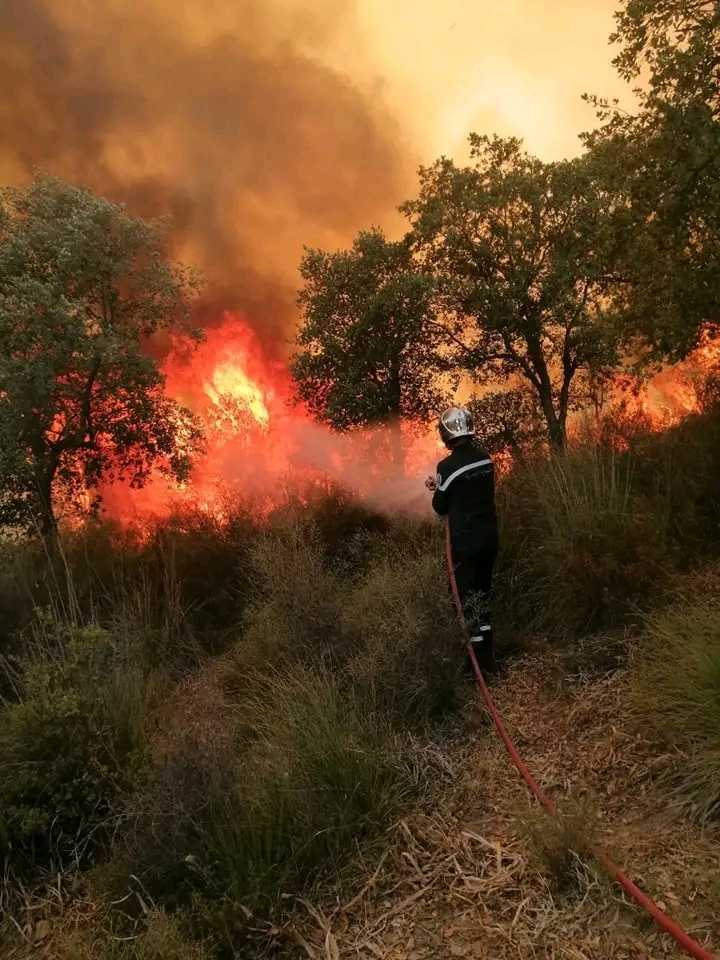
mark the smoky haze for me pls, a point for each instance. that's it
(217, 113)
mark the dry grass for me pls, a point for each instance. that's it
(460, 879)
(561, 846)
(457, 876)
(676, 695)
(64, 921)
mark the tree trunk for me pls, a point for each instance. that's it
(555, 424)
(556, 433)
(543, 384)
(46, 513)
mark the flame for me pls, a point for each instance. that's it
(229, 380)
(634, 406)
(259, 442)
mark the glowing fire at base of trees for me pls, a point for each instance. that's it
(260, 443)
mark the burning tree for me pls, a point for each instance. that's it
(82, 287)
(519, 253)
(368, 352)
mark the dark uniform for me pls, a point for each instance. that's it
(465, 493)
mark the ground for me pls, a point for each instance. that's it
(466, 875)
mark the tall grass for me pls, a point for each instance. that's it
(676, 693)
(579, 544)
(320, 772)
(590, 536)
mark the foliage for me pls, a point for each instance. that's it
(70, 743)
(82, 287)
(377, 612)
(579, 546)
(662, 165)
(520, 253)
(508, 420)
(591, 536)
(283, 782)
(676, 692)
(403, 639)
(367, 352)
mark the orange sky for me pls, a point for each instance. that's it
(511, 67)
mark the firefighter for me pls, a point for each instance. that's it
(464, 492)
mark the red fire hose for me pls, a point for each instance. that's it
(692, 947)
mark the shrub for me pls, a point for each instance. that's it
(580, 547)
(677, 472)
(676, 694)
(303, 769)
(404, 639)
(70, 743)
(562, 844)
(297, 598)
(79, 937)
(382, 614)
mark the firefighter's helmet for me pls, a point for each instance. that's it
(455, 423)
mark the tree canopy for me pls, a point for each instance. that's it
(538, 279)
(368, 351)
(664, 161)
(520, 255)
(82, 287)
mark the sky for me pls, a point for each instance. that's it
(262, 126)
(515, 67)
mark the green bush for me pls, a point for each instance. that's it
(677, 472)
(297, 597)
(382, 614)
(303, 768)
(70, 742)
(676, 694)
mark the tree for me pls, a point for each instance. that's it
(82, 287)
(664, 162)
(508, 420)
(519, 252)
(367, 352)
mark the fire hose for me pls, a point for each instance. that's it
(666, 924)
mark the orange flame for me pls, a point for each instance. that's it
(259, 442)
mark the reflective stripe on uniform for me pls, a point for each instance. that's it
(468, 466)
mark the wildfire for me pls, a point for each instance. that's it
(676, 391)
(229, 380)
(259, 443)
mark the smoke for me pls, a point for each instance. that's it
(219, 113)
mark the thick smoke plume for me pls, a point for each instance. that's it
(223, 115)
(218, 113)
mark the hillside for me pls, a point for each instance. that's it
(478, 872)
(242, 737)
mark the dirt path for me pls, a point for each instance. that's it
(468, 878)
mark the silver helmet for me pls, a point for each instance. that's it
(455, 423)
